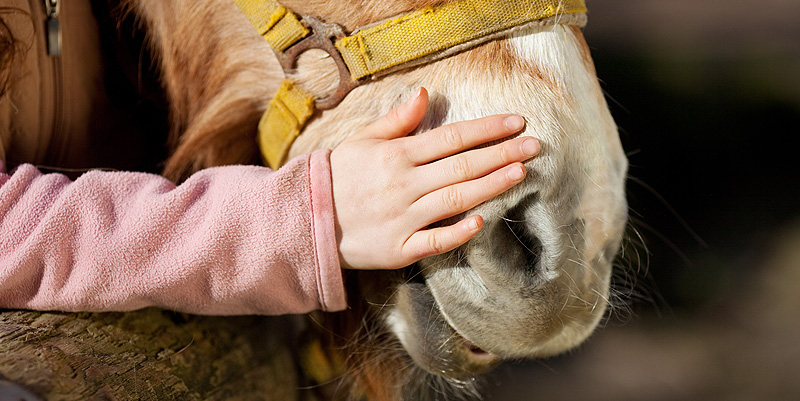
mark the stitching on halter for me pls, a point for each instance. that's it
(398, 43)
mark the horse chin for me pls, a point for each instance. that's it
(534, 283)
(430, 341)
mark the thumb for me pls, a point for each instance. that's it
(400, 121)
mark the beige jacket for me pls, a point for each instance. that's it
(54, 105)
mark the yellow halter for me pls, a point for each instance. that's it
(419, 37)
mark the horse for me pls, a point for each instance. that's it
(533, 283)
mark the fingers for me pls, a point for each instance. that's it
(441, 239)
(476, 163)
(400, 121)
(448, 179)
(457, 137)
(454, 199)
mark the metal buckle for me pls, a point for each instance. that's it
(320, 38)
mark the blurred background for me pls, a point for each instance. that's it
(707, 98)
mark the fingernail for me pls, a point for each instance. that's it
(409, 103)
(530, 147)
(516, 173)
(472, 224)
(415, 96)
(514, 123)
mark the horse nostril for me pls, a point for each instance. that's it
(531, 246)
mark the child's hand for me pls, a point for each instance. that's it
(389, 187)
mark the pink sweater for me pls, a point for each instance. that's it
(229, 241)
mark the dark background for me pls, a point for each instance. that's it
(707, 98)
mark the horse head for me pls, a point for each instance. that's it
(535, 281)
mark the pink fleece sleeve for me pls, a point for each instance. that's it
(229, 241)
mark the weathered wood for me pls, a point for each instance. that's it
(148, 355)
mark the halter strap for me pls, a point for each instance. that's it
(401, 42)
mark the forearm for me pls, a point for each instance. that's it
(230, 240)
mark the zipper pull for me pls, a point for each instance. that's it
(53, 8)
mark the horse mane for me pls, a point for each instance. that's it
(215, 102)
(233, 109)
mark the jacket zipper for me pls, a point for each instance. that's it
(53, 32)
(53, 9)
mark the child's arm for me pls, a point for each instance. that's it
(230, 240)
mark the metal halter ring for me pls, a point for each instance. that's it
(323, 36)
